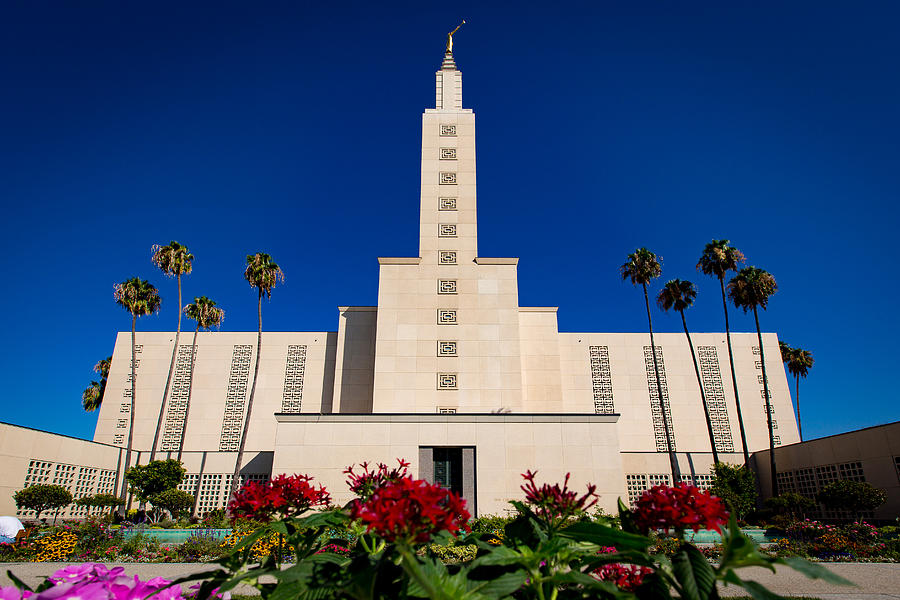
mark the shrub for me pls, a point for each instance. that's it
(100, 501)
(852, 496)
(156, 476)
(790, 504)
(736, 486)
(176, 501)
(41, 497)
(202, 546)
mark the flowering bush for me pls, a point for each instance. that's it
(556, 504)
(411, 510)
(680, 507)
(281, 497)
(365, 483)
(830, 542)
(626, 577)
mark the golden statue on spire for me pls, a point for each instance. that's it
(449, 48)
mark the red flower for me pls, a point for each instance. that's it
(283, 496)
(553, 502)
(626, 577)
(411, 510)
(364, 484)
(681, 507)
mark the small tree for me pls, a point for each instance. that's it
(177, 502)
(853, 496)
(736, 486)
(43, 497)
(156, 476)
(790, 504)
(99, 501)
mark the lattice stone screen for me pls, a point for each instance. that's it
(715, 397)
(601, 380)
(659, 432)
(294, 370)
(79, 480)
(176, 408)
(235, 398)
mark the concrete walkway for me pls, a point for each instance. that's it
(874, 581)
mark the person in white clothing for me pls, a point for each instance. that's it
(9, 527)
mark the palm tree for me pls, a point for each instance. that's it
(261, 273)
(204, 311)
(173, 260)
(92, 396)
(679, 294)
(718, 259)
(641, 267)
(799, 362)
(140, 298)
(750, 289)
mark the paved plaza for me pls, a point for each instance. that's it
(874, 581)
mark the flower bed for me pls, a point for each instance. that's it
(408, 538)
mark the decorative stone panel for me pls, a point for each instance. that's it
(446, 286)
(659, 432)
(447, 178)
(446, 381)
(447, 257)
(448, 130)
(176, 408)
(235, 398)
(601, 380)
(447, 230)
(446, 203)
(446, 316)
(294, 370)
(715, 397)
(448, 153)
(446, 348)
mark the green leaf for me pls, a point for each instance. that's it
(18, 582)
(759, 591)
(499, 555)
(814, 571)
(654, 587)
(602, 535)
(693, 572)
(626, 518)
(504, 585)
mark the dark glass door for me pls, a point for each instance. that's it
(448, 471)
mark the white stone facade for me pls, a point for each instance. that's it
(448, 359)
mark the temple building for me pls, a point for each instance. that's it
(448, 371)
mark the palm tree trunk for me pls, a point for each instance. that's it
(162, 406)
(673, 462)
(187, 407)
(709, 428)
(123, 495)
(240, 456)
(797, 395)
(737, 399)
(762, 362)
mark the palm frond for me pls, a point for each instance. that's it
(719, 258)
(641, 267)
(752, 287)
(678, 294)
(173, 259)
(137, 296)
(205, 312)
(262, 272)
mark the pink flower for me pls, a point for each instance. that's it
(14, 593)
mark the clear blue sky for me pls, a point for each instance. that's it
(294, 128)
